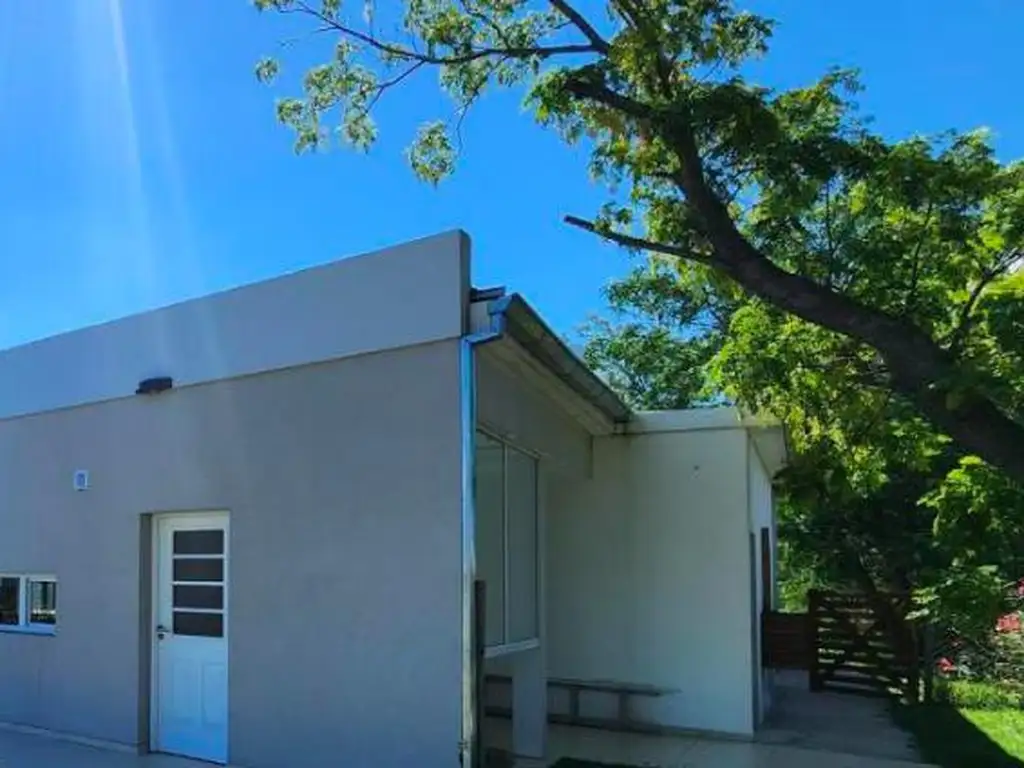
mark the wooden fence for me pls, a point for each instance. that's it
(862, 644)
(788, 642)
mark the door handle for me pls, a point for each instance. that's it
(161, 631)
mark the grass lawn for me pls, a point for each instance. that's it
(966, 738)
(1006, 728)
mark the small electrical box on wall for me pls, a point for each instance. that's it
(81, 480)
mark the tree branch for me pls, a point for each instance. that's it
(915, 269)
(630, 241)
(381, 87)
(599, 92)
(965, 323)
(598, 43)
(473, 96)
(407, 54)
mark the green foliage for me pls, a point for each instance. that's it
(972, 694)
(967, 599)
(1009, 647)
(875, 497)
(656, 350)
(797, 576)
(432, 154)
(979, 514)
(836, 278)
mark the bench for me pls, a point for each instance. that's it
(624, 693)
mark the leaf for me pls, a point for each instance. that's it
(267, 69)
(431, 154)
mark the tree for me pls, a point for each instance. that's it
(788, 195)
(874, 497)
(669, 331)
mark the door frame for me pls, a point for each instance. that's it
(157, 520)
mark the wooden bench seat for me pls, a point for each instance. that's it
(623, 691)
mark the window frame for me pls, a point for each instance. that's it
(25, 624)
(507, 646)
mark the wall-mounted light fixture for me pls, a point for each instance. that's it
(155, 385)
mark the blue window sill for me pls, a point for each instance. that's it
(46, 631)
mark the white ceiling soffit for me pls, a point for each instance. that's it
(515, 359)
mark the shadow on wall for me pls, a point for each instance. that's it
(945, 737)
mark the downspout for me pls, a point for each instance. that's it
(468, 745)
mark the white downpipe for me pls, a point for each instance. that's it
(467, 363)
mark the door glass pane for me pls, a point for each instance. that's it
(199, 569)
(489, 485)
(198, 624)
(198, 596)
(199, 542)
(522, 546)
(10, 600)
(43, 602)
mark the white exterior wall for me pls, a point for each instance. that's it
(649, 576)
(514, 405)
(410, 294)
(342, 476)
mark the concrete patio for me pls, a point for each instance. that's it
(833, 722)
(679, 752)
(23, 750)
(29, 750)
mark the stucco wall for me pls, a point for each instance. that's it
(514, 406)
(409, 294)
(648, 575)
(343, 484)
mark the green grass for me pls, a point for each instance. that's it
(1005, 728)
(966, 738)
(970, 694)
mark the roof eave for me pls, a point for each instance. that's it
(528, 329)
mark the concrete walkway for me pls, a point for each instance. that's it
(682, 752)
(25, 750)
(834, 722)
(675, 752)
(20, 750)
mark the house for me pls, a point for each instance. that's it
(247, 528)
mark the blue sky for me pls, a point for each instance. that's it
(140, 162)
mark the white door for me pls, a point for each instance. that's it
(190, 680)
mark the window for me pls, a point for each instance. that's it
(197, 582)
(490, 534)
(42, 601)
(28, 603)
(10, 600)
(507, 541)
(521, 533)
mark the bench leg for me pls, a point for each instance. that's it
(624, 714)
(529, 705)
(574, 703)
